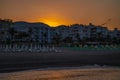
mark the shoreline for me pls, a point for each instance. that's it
(11, 70)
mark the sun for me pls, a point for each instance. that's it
(50, 21)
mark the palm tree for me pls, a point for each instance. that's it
(78, 37)
(56, 39)
(30, 33)
(45, 37)
(68, 40)
(11, 31)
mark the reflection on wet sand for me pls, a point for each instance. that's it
(64, 74)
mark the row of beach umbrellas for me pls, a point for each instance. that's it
(27, 48)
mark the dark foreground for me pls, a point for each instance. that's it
(12, 61)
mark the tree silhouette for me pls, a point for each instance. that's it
(57, 38)
(68, 40)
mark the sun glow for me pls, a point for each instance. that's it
(54, 20)
(51, 23)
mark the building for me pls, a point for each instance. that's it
(116, 33)
(62, 31)
(35, 32)
(5, 25)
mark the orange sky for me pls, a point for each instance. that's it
(56, 12)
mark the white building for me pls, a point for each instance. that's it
(79, 31)
(36, 32)
(63, 31)
(116, 33)
(40, 32)
(82, 32)
(4, 29)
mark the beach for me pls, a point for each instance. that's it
(67, 64)
(76, 73)
(12, 61)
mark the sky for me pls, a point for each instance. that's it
(63, 12)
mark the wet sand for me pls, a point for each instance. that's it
(65, 74)
(14, 61)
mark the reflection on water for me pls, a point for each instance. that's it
(64, 74)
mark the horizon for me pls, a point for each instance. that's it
(63, 12)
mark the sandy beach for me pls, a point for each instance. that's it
(89, 73)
